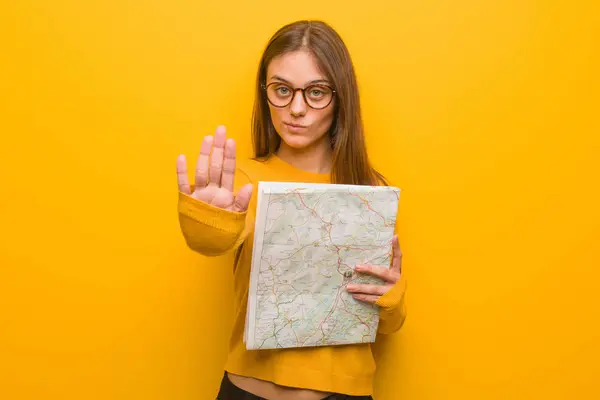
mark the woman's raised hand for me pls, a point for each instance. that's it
(215, 174)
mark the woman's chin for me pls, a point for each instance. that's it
(297, 141)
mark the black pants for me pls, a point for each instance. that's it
(228, 391)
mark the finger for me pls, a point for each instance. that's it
(228, 175)
(242, 199)
(216, 158)
(183, 181)
(397, 254)
(202, 164)
(375, 270)
(367, 298)
(378, 290)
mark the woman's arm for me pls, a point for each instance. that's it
(389, 296)
(210, 230)
(213, 211)
(392, 312)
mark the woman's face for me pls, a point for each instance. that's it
(299, 125)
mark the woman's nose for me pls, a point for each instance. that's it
(298, 106)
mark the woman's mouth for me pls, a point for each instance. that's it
(295, 127)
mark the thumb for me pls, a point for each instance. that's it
(242, 199)
(396, 254)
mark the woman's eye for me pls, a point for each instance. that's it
(318, 92)
(283, 90)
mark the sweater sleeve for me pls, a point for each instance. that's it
(209, 230)
(392, 308)
(392, 305)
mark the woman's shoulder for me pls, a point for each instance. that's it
(381, 179)
(253, 169)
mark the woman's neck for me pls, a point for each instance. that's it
(315, 159)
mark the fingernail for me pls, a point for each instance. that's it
(358, 267)
(350, 287)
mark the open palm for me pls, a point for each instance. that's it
(215, 174)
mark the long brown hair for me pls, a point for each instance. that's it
(350, 163)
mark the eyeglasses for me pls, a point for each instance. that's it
(317, 96)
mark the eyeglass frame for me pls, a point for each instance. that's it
(294, 90)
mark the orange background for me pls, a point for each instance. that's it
(484, 113)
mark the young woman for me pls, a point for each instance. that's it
(306, 127)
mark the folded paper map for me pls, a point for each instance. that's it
(308, 239)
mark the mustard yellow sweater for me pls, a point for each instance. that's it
(210, 231)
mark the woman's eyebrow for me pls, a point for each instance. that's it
(279, 78)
